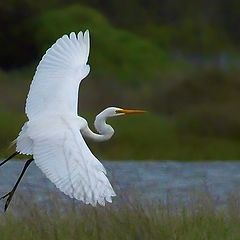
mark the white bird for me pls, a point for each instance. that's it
(54, 132)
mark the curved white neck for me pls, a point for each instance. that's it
(105, 131)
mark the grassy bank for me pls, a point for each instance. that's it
(147, 136)
(130, 221)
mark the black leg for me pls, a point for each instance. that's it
(13, 155)
(10, 194)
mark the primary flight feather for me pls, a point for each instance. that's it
(54, 88)
(54, 133)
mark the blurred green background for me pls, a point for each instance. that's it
(177, 59)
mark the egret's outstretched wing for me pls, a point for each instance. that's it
(60, 152)
(55, 84)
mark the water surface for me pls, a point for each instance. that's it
(156, 181)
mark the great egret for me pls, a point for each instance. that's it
(54, 132)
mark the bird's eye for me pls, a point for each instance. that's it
(118, 111)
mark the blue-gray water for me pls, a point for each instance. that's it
(151, 181)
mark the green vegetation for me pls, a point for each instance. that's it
(151, 137)
(114, 54)
(192, 115)
(165, 58)
(129, 221)
(185, 27)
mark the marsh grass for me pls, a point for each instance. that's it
(130, 220)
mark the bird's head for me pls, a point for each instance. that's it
(115, 111)
(100, 122)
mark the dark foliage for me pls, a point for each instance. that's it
(201, 26)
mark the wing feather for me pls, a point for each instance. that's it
(55, 84)
(64, 157)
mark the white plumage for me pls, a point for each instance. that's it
(60, 152)
(53, 134)
(54, 88)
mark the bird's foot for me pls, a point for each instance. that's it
(9, 198)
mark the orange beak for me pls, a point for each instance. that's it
(128, 111)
